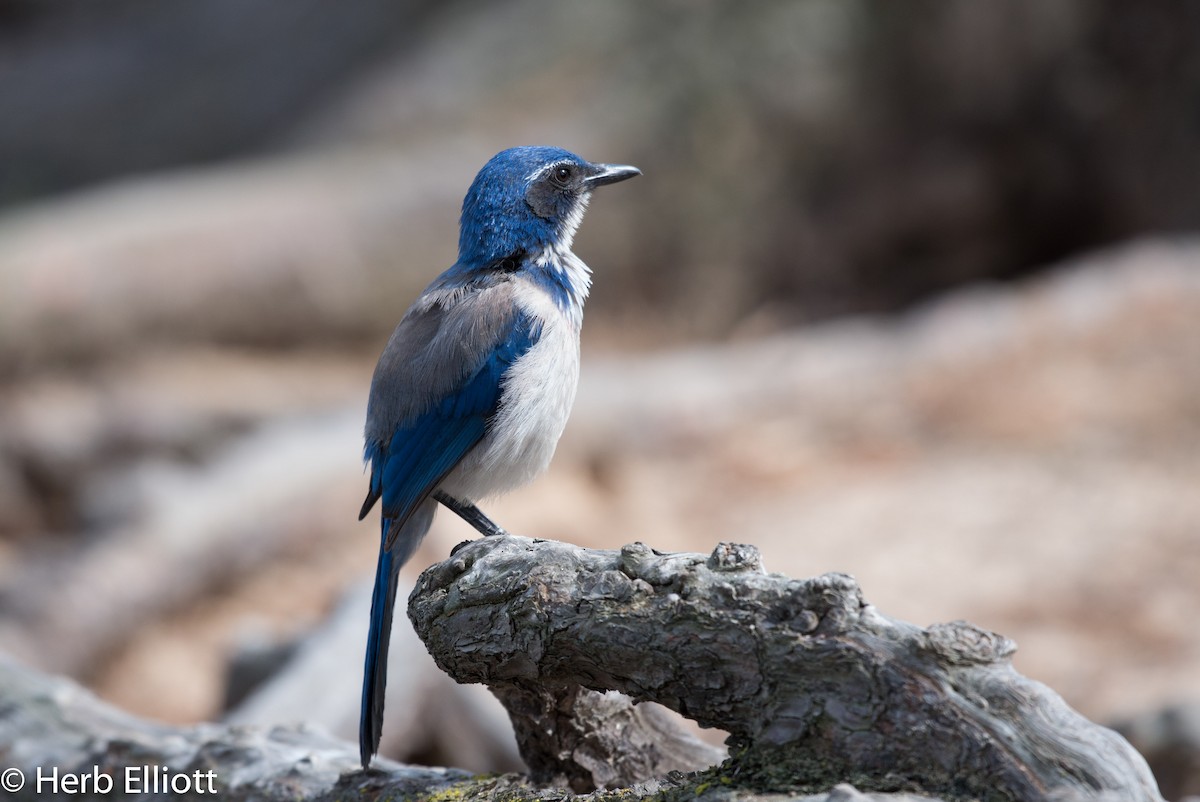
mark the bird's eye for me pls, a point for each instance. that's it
(561, 174)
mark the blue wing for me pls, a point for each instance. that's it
(424, 449)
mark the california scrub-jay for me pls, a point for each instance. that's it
(474, 387)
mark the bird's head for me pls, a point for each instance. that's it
(528, 198)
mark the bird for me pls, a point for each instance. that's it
(474, 386)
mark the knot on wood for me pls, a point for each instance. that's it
(735, 557)
(962, 643)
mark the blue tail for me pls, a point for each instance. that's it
(383, 602)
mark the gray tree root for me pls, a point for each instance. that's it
(814, 686)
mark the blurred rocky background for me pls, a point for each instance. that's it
(910, 291)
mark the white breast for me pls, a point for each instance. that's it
(535, 401)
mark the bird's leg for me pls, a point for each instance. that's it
(470, 513)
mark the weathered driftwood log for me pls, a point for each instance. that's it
(814, 686)
(58, 742)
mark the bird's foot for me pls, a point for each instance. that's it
(469, 513)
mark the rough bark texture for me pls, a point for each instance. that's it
(48, 724)
(586, 740)
(814, 686)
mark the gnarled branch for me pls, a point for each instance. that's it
(814, 685)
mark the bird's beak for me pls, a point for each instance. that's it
(609, 174)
